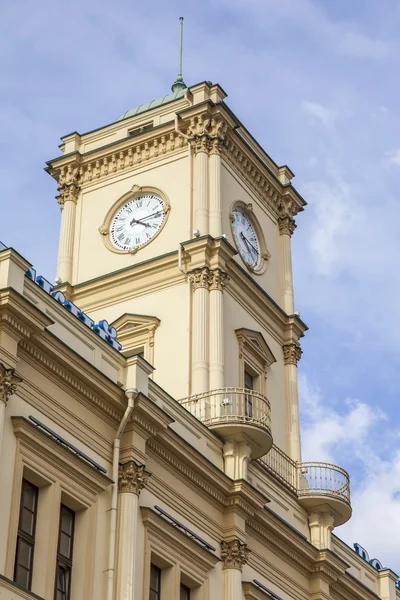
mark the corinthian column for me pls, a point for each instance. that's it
(218, 281)
(286, 228)
(200, 330)
(201, 186)
(215, 189)
(69, 190)
(234, 556)
(8, 386)
(291, 356)
(132, 478)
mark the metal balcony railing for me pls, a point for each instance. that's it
(308, 479)
(323, 479)
(230, 405)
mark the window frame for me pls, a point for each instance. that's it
(64, 561)
(23, 535)
(184, 588)
(153, 568)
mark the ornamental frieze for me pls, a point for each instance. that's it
(8, 383)
(234, 554)
(132, 478)
(291, 354)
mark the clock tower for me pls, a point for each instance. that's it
(176, 227)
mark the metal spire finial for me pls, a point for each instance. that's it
(179, 83)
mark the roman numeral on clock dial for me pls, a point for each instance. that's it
(137, 221)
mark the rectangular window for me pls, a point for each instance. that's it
(249, 385)
(26, 535)
(64, 553)
(155, 583)
(185, 592)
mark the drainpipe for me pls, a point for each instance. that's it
(131, 394)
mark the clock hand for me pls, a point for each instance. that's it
(144, 218)
(138, 222)
(249, 243)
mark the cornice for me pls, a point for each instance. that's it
(119, 157)
(159, 529)
(20, 314)
(242, 287)
(59, 458)
(71, 379)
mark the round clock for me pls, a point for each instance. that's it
(137, 221)
(246, 239)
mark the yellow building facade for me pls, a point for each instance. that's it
(149, 420)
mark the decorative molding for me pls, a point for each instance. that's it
(206, 133)
(279, 545)
(8, 383)
(132, 478)
(218, 280)
(287, 225)
(234, 554)
(134, 154)
(282, 205)
(68, 184)
(186, 471)
(291, 354)
(215, 279)
(72, 383)
(199, 278)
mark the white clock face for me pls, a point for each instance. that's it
(137, 221)
(246, 239)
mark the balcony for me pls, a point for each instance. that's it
(318, 486)
(235, 414)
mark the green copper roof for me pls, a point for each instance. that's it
(153, 104)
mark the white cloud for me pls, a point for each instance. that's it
(392, 158)
(337, 218)
(322, 113)
(362, 46)
(332, 436)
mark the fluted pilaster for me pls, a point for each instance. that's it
(69, 190)
(215, 189)
(200, 330)
(286, 229)
(132, 478)
(201, 187)
(291, 356)
(234, 556)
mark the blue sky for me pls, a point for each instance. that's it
(316, 83)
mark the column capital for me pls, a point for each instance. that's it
(132, 478)
(287, 225)
(207, 133)
(199, 278)
(218, 280)
(68, 184)
(291, 354)
(234, 554)
(8, 383)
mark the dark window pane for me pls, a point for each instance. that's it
(65, 545)
(64, 557)
(185, 592)
(26, 533)
(155, 583)
(67, 520)
(24, 555)
(27, 521)
(248, 381)
(22, 577)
